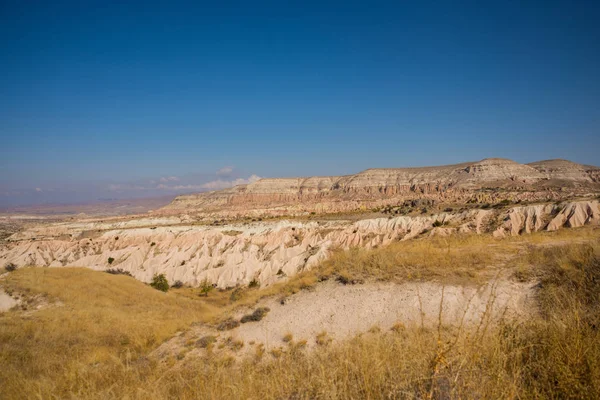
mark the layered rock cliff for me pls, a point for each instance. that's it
(489, 179)
(266, 251)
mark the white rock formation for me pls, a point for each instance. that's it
(267, 251)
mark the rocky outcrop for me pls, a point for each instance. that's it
(565, 170)
(466, 182)
(267, 251)
(550, 217)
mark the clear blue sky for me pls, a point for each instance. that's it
(100, 99)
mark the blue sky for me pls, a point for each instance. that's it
(100, 99)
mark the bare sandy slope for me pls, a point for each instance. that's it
(6, 302)
(344, 311)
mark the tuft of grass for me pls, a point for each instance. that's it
(228, 324)
(287, 338)
(206, 341)
(323, 339)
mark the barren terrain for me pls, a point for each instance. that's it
(475, 280)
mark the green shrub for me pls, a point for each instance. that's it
(160, 282)
(254, 283)
(205, 287)
(110, 260)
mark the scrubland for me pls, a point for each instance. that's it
(85, 334)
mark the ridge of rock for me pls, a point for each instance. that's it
(267, 251)
(549, 180)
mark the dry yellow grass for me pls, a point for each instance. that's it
(92, 319)
(462, 259)
(94, 339)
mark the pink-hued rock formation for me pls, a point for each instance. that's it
(178, 241)
(567, 171)
(485, 181)
(267, 251)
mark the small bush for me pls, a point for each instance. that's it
(236, 294)
(398, 327)
(346, 278)
(205, 287)
(152, 244)
(257, 315)
(228, 324)
(177, 285)
(110, 260)
(323, 339)
(160, 282)
(254, 283)
(437, 224)
(206, 341)
(10, 267)
(118, 271)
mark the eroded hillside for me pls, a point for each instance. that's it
(486, 181)
(266, 251)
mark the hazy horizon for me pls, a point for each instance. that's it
(117, 101)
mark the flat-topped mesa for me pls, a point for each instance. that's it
(451, 183)
(286, 189)
(499, 170)
(567, 170)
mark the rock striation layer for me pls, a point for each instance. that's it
(266, 251)
(477, 182)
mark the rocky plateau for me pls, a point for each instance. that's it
(274, 228)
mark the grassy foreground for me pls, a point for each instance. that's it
(94, 338)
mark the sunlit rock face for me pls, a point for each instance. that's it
(488, 180)
(236, 253)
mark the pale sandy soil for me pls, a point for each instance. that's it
(6, 302)
(343, 311)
